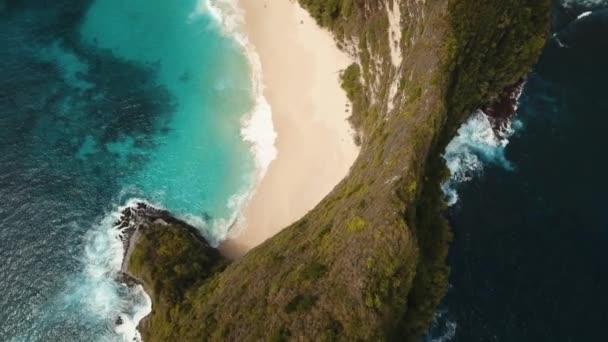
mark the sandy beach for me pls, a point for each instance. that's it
(301, 65)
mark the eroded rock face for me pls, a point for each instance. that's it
(504, 107)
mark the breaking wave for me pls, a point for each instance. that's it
(442, 328)
(257, 127)
(477, 144)
(586, 3)
(100, 291)
(101, 288)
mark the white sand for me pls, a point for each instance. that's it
(300, 64)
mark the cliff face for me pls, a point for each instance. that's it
(369, 261)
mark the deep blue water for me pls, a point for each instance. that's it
(528, 260)
(100, 102)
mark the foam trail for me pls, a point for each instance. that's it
(141, 308)
(100, 288)
(97, 292)
(135, 304)
(569, 4)
(476, 144)
(559, 41)
(586, 3)
(584, 14)
(217, 231)
(257, 126)
(442, 328)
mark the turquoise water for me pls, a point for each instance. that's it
(102, 102)
(201, 162)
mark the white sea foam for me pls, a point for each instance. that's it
(257, 126)
(142, 306)
(445, 328)
(570, 3)
(217, 231)
(134, 304)
(449, 334)
(97, 289)
(97, 292)
(100, 292)
(475, 145)
(567, 4)
(584, 14)
(559, 41)
(104, 257)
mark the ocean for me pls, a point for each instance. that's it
(103, 102)
(528, 214)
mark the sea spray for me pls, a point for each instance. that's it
(109, 96)
(521, 240)
(476, 144)
(584, 3)
(100, 289)
(482, 140)
(256, 130)
(442, 328)
(257, 127)
(226, 103)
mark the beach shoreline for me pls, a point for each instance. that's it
(301, 67)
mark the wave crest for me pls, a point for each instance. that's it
(584, 3)
(442, 328)
(476, 144)
(257, 127)
(100, 291)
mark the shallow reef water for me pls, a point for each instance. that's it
(101, 102)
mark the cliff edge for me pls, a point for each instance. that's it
(369, 261)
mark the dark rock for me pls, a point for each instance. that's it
(141, 216)
(501, 110)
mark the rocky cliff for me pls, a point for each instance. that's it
(369, 261)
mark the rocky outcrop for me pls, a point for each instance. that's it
(369, 261)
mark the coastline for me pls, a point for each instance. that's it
(375, 251)
(301, 65)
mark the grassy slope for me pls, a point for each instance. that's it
(369, 261)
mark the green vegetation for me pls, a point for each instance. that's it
(486, 61)
(181, 259)
(356, 224)
(351, 82)
(368, 263)
(169, 260)
(331, 13)
(300, 303)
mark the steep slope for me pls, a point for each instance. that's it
(369, 261)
